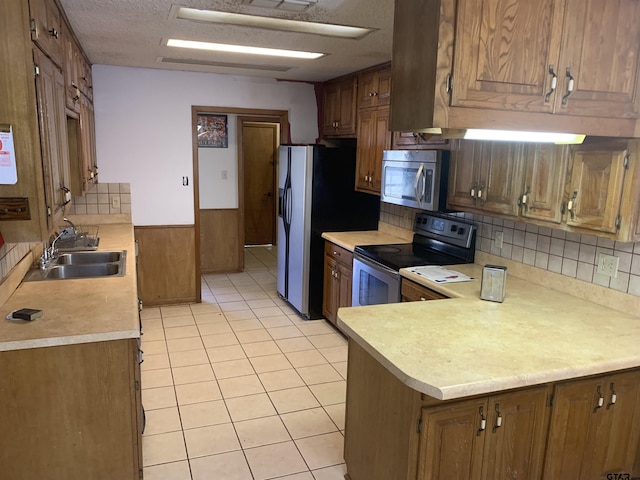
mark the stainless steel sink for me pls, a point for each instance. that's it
(87, 258)
(82, 265)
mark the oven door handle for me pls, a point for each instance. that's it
(378, 266)
(419, 195)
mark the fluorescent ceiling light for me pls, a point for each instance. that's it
(223, 47)
(295, 5)
(270, 23)
(517, 136)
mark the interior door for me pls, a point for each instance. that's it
(259, 152)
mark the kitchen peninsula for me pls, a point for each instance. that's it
(544, 385)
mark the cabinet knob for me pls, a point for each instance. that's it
(53, 32)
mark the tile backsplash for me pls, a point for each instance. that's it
(99, 200)
(11, 254)
(571, 254)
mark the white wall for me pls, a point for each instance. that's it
(215, 191)
(143, 130)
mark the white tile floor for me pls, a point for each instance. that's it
(239, 387)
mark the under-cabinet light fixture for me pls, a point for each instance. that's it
(520, 136)
(271, 23)
(224, 47)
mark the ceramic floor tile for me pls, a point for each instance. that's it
(336, 412)
(184, 359)
(306, 358)
(322, 450)
(279, 321)
(168, 471)
(293, 399)
(306, 423)
(327, 340)
(151, 334)
(280, 380)
(262, 464)
(317, 327)
(192, 374)
(182, 321)
(224, 290)
(175, 311)
(223, 354)
(261, 349)
(243, 325)
(249, 288)
(240, 386)
(208, 318)
(260, 303)
(162, 397)
(204, 308)
(197, 392)
(154, 347)
(290, 331)
(298, 476)
(330, 393)
(155, 362)
(234, 306)
(216, 328)
(224, 466)
(330, 473)
(319, 374)
(249, 407)
(239, 315)
(211, 440)
(163, 420)
(150, 312)
(270, 363)
(261, 431)
(228, 298)
(294, 344)
(181, 332)
(341, 368)
(233, 368)
(241, 279)
(204, 414)
(254, 295)
(152, 323)
(253, 336)
(220, 340)
(335, 354)
(163, 448)
(184, 344)
(157, 378)
(268, 312)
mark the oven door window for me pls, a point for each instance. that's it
(372, 290)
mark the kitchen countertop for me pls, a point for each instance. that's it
(77, 310)
(465, 346)
(350, 240)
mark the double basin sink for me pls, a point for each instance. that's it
(82, 265)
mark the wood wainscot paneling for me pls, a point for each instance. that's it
(219, 241)
(167, 259)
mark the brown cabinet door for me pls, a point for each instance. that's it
(603, 57)
(382, 142)
(503, 52)
(414, 292)
(418, 141)
(365, 149)
(374, 88)
(595, 189)
(544, 177)
(45, 28)
(330, 99)
(330, 289)
(515, 435)
(452, 441)
(347, 107)
(500, 177)
(464, 170)
(71, 70)
(345, 274)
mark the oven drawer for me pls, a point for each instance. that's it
(341, 255)
(414, 292)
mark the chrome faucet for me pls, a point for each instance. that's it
(71, 224)
(49, 253)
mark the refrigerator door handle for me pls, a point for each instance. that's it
(281, 202)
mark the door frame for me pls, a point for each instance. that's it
(273, 116)
(241, 197)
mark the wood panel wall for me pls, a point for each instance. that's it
(220, 245)
(167, 270)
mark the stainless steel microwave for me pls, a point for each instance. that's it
(415, 178)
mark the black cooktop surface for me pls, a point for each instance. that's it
(406, 255)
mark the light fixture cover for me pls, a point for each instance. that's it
(523, 136)
(225, 47)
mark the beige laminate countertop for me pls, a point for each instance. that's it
(77, 310)
(465, 346)
(350, 240)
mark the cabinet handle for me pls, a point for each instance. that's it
(570, 85)
(600, 400)
(53, 32)
(614, 397)
(498, 418)
(483, 421)
(449, 83)
(554, 84)
(479, 195)
(571, 204)
(522, 201)
(422, 299)
(473, 190)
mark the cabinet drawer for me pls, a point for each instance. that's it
(341, 255)
(414, 292)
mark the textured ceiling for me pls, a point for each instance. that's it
(133, 33)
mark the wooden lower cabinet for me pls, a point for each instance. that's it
(545, 432)
(414, 292)
(71, 412)
(338, 272)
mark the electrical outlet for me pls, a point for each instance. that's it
(115, 201)
(608, 265)
(498, 239)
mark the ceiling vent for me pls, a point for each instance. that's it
(291, 5)
(205, 63)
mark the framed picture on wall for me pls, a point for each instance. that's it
(212, 130)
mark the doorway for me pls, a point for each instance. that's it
(259, 150)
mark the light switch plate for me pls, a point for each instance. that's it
(608, 265)
(115, 201)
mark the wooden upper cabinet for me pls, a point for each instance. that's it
(595, 189)
(339, 108)
(46, 24)
(418, 141)
(503, 50)
(72, 68)
(373, 138)
(374, 88)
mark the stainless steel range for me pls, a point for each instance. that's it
(437, 240)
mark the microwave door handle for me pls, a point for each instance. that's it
(417, 181)
(424, 185)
